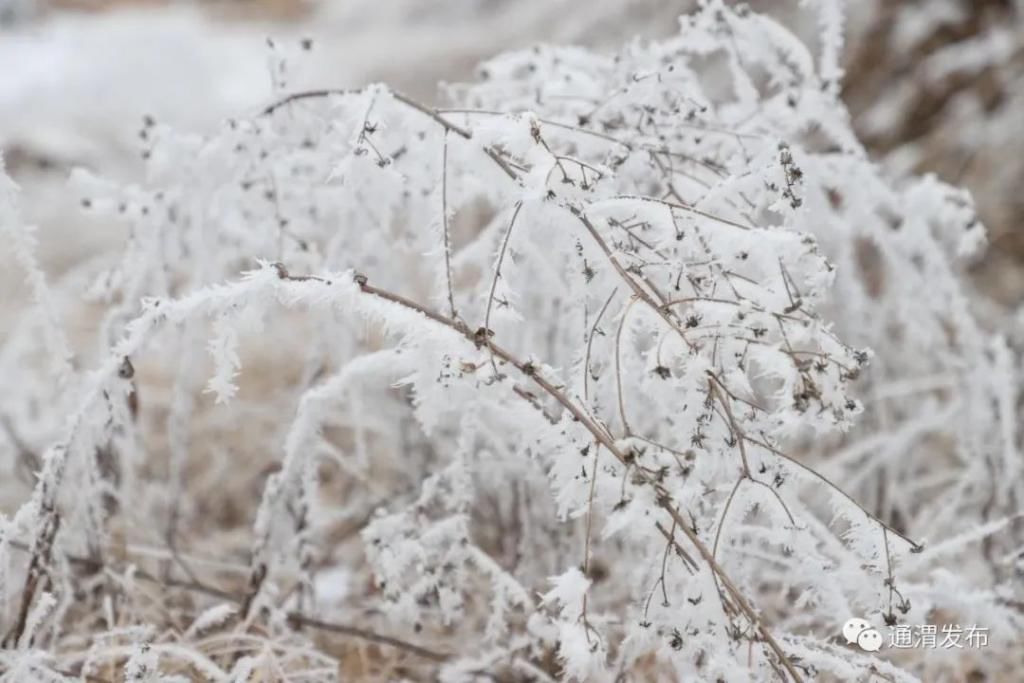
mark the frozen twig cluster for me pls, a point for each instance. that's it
(560, 381)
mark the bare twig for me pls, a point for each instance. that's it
(444, 227)
(497, 268)
(590, 343)
(664, 498)
(196, 586)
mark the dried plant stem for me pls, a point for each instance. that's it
(590, 344)
(445, 227)
(501, 260)
(663, 496)
(914, 545)
(297, 618)
(618, 366)
(640, 292)
(713, 384)
(403, 99)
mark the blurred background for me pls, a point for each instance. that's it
(933, 86)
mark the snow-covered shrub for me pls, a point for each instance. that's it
(560, 381)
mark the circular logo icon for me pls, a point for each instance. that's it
(861, 633)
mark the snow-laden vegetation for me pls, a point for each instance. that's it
(615, 367)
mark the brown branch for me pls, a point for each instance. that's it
(370, 636)
(640, 292)
(721, 525)
(403, 99)
(41, 551)
(294, 617)
(737, 433)
(590, 343)
(664, 498)
(501, 260)
(444, 227)
(914, 546)
(683, 207)
(618, 366)
(306, 95)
